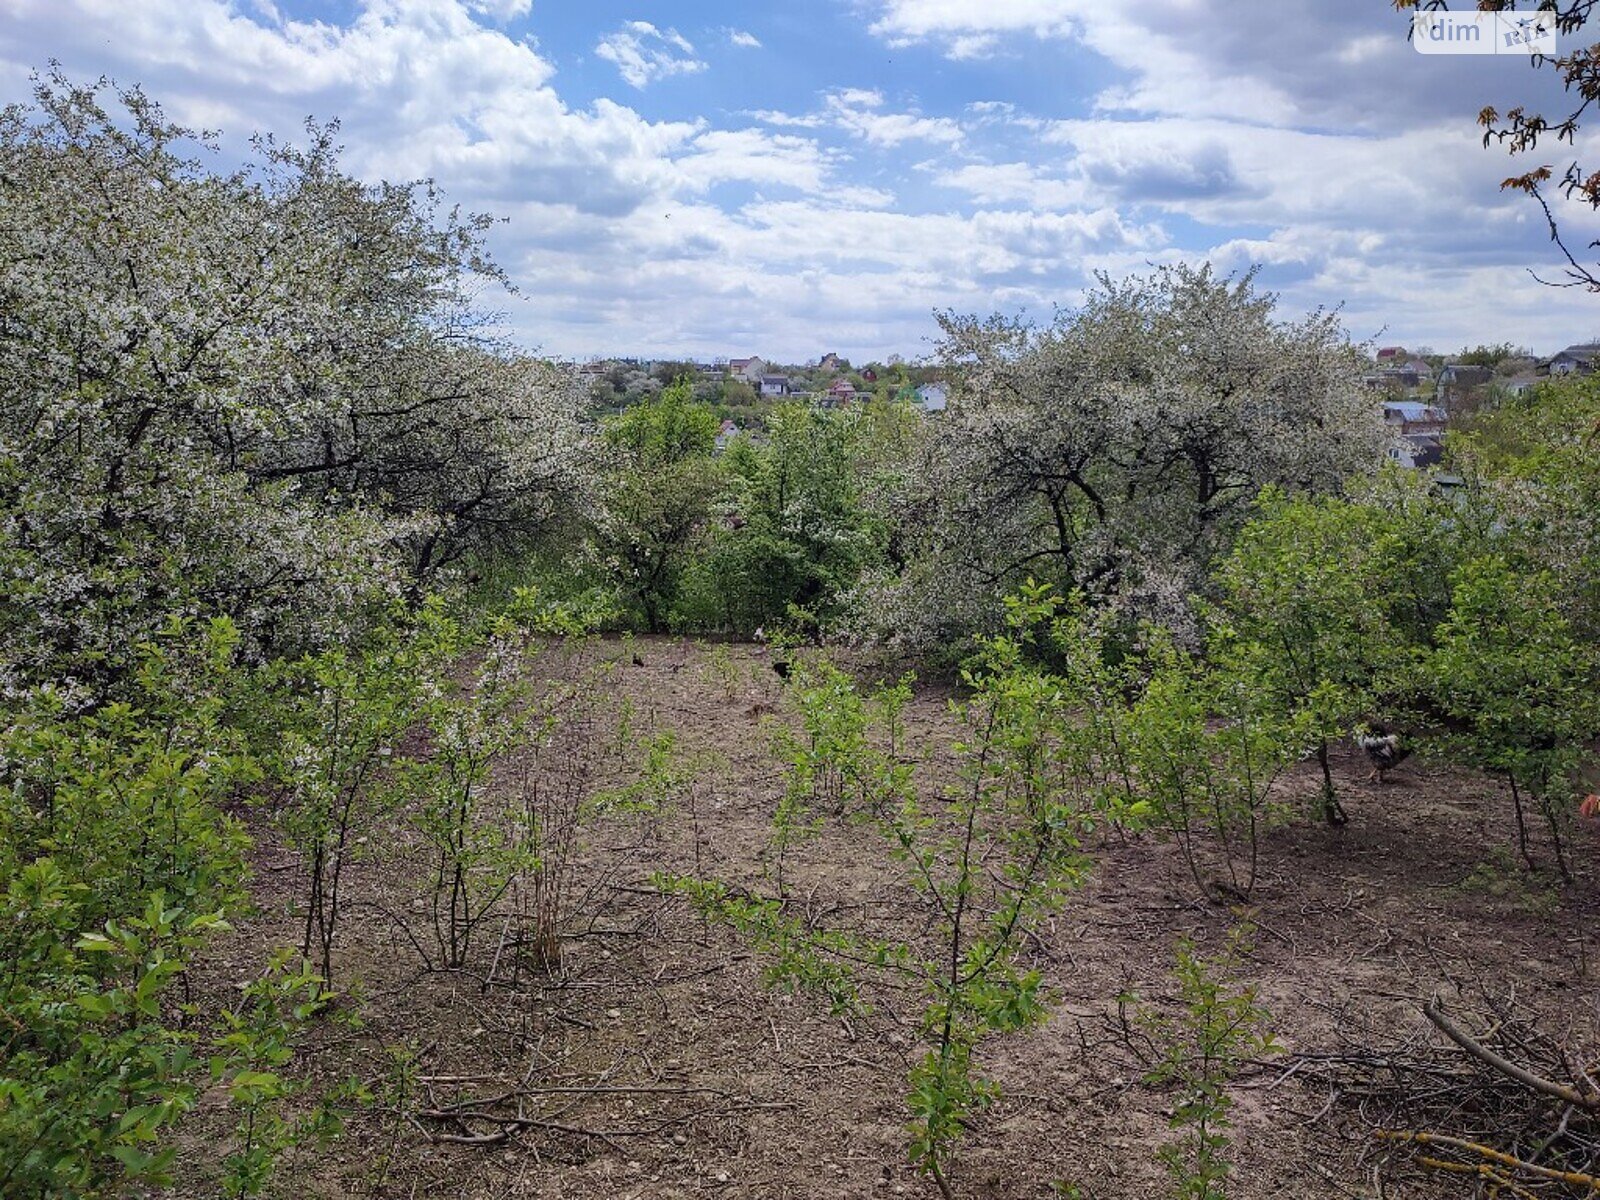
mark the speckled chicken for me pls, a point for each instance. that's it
(1386, 750)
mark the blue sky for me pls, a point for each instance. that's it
(710, 178)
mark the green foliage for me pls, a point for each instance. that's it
(662, 774)
(340, 715)
(1539, 473)
(1207, 747)
(659, 482)
(1520, 685)
(795, 534)
(1147, 733)
(92, 1074)
(1485, 355)
(397, 1096)
(799, 957)
(723, 672)
(835, 761)
(1307, 596)
(834, 764)
(479, 848)
(1092, 676)
(126, 797)
(1218, 1027)
(991, 858)
(119, 862)
(249, 1058)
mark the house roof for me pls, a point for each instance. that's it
(775, 379)
(1405, 376)
(1413, 410)
(1468, 372)
(1428, 453)
(1582, 352)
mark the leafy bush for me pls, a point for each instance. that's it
(339, 718)
(119, 862)
(93, 1076)
(1217, 1028)
(1520, 687)
(991, 859)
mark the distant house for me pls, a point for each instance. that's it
(1391, 355)
(1418, 450)
(1414, 417)
(774, 385)
(1420, 366)
(1521, 385)
(1392, 379)
(748, 369)
(1464, 375)
(1457, 381)
(933, 396)
(1418, 432)
(869, 375)
(840, 391)
(1575, 360)
(726, 434)
(831, 362)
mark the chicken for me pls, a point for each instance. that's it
(1386, 750)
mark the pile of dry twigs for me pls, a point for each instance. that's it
(1479, 1091)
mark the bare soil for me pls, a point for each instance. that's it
(655, 1062)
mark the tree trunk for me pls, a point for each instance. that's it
(1522, 823)
(1332, 811)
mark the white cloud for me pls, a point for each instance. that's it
(784, 235)
(501, 10)
(973, 28)
(643, 53)
(860, 113)
(744, 39)
(758, 157)
(1011, 183)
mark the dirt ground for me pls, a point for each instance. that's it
(654, 1062)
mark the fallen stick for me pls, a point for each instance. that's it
(1505, 1066)
(1574, 1178)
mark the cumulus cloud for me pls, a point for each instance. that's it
(862, 113)
(975, 28)
(501, 10)
(1010, 183)
(743, 39)
(756, 156)
(643, 54)
(1314, 145)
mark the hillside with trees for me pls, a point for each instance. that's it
(425, 771)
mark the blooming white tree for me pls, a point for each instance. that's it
(266, 392)
(1116, 449)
